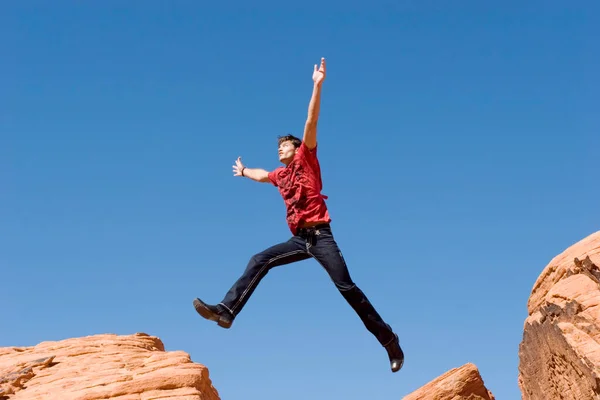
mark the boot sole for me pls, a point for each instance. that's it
(209, 315)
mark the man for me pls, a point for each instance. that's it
(299, 182)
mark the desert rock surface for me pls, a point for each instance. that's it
(129, 367)
(559, 356)
(463, 383)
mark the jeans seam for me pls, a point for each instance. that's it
(258, 274)
(228, 309)
(391, 340)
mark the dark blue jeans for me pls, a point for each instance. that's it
(317, 242)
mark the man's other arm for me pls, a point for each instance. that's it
(314, 107)
(256, 174)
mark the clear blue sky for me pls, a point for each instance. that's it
(459, 150)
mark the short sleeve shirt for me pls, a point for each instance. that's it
(300, 185)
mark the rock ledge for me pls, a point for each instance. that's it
(127, 367)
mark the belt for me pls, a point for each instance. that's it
(312, 229)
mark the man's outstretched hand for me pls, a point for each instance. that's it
(238, 167)
(256, 174)
(319, 74)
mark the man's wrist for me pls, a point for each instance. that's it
(242, 171)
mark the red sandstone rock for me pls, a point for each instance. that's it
(560, 266)
(559, 356)
(463, 383)
(133, 367)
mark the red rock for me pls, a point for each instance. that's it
(463, 383)
(560, 266)
(132, 367)
(559, 356)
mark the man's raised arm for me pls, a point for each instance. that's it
(256, 174)
(310, 128)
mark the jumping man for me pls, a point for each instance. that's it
(299, 183)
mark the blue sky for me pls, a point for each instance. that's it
(458, 146)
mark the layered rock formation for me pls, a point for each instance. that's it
(559, 356)
(463, 383)
(133, 367)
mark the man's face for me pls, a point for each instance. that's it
(286, 152)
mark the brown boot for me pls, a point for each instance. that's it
(216, 313)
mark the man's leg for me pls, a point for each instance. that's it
(225, 312)
(325, 250)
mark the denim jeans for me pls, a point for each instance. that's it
(316, 242)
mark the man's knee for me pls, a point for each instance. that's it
(352, 294)
(258, 260)
(344, 286)
(264, 260)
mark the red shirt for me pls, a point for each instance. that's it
(300, 186)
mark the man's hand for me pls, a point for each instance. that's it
(238, 167)
(256, 174)
(319, 74)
